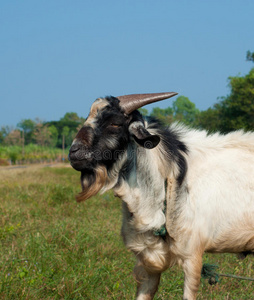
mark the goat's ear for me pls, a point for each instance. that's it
(142, 136)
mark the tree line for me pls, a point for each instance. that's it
(53, 134)
(232, 112)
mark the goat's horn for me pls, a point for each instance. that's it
(132, 102)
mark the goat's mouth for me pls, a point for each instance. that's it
(76, 166)
(81, 165)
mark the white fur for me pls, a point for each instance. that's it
(212, 211)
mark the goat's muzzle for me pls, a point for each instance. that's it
(79, 156)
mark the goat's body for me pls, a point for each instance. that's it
(205, 180)
(212, 210)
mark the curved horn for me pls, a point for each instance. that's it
(129, 103)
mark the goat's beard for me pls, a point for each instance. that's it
(92, 182)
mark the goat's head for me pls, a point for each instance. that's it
(111, 124)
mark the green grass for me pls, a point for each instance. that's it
(54, 248)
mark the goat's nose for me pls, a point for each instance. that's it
(74, 148)
(74, 152)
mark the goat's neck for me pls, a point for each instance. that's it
(142, 188)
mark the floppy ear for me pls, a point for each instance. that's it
(142, 136)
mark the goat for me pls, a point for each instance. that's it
(199, 186)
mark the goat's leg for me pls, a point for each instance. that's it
(192, 273)
(147, 283)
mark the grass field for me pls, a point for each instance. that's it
(55, 248)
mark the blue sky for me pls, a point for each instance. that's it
(58, 56)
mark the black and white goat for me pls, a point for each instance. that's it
(205, 182)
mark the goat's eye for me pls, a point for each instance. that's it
(115, 125)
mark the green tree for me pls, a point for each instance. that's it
(70, 137)
(71, 116)
(184, 110)
(1, 137)
(143, 111)
(164, 115)
(42, 135)
(237, 109)
(5, 131)
(70, 120)
(28, 126)
(209, 119)
(53, 135)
